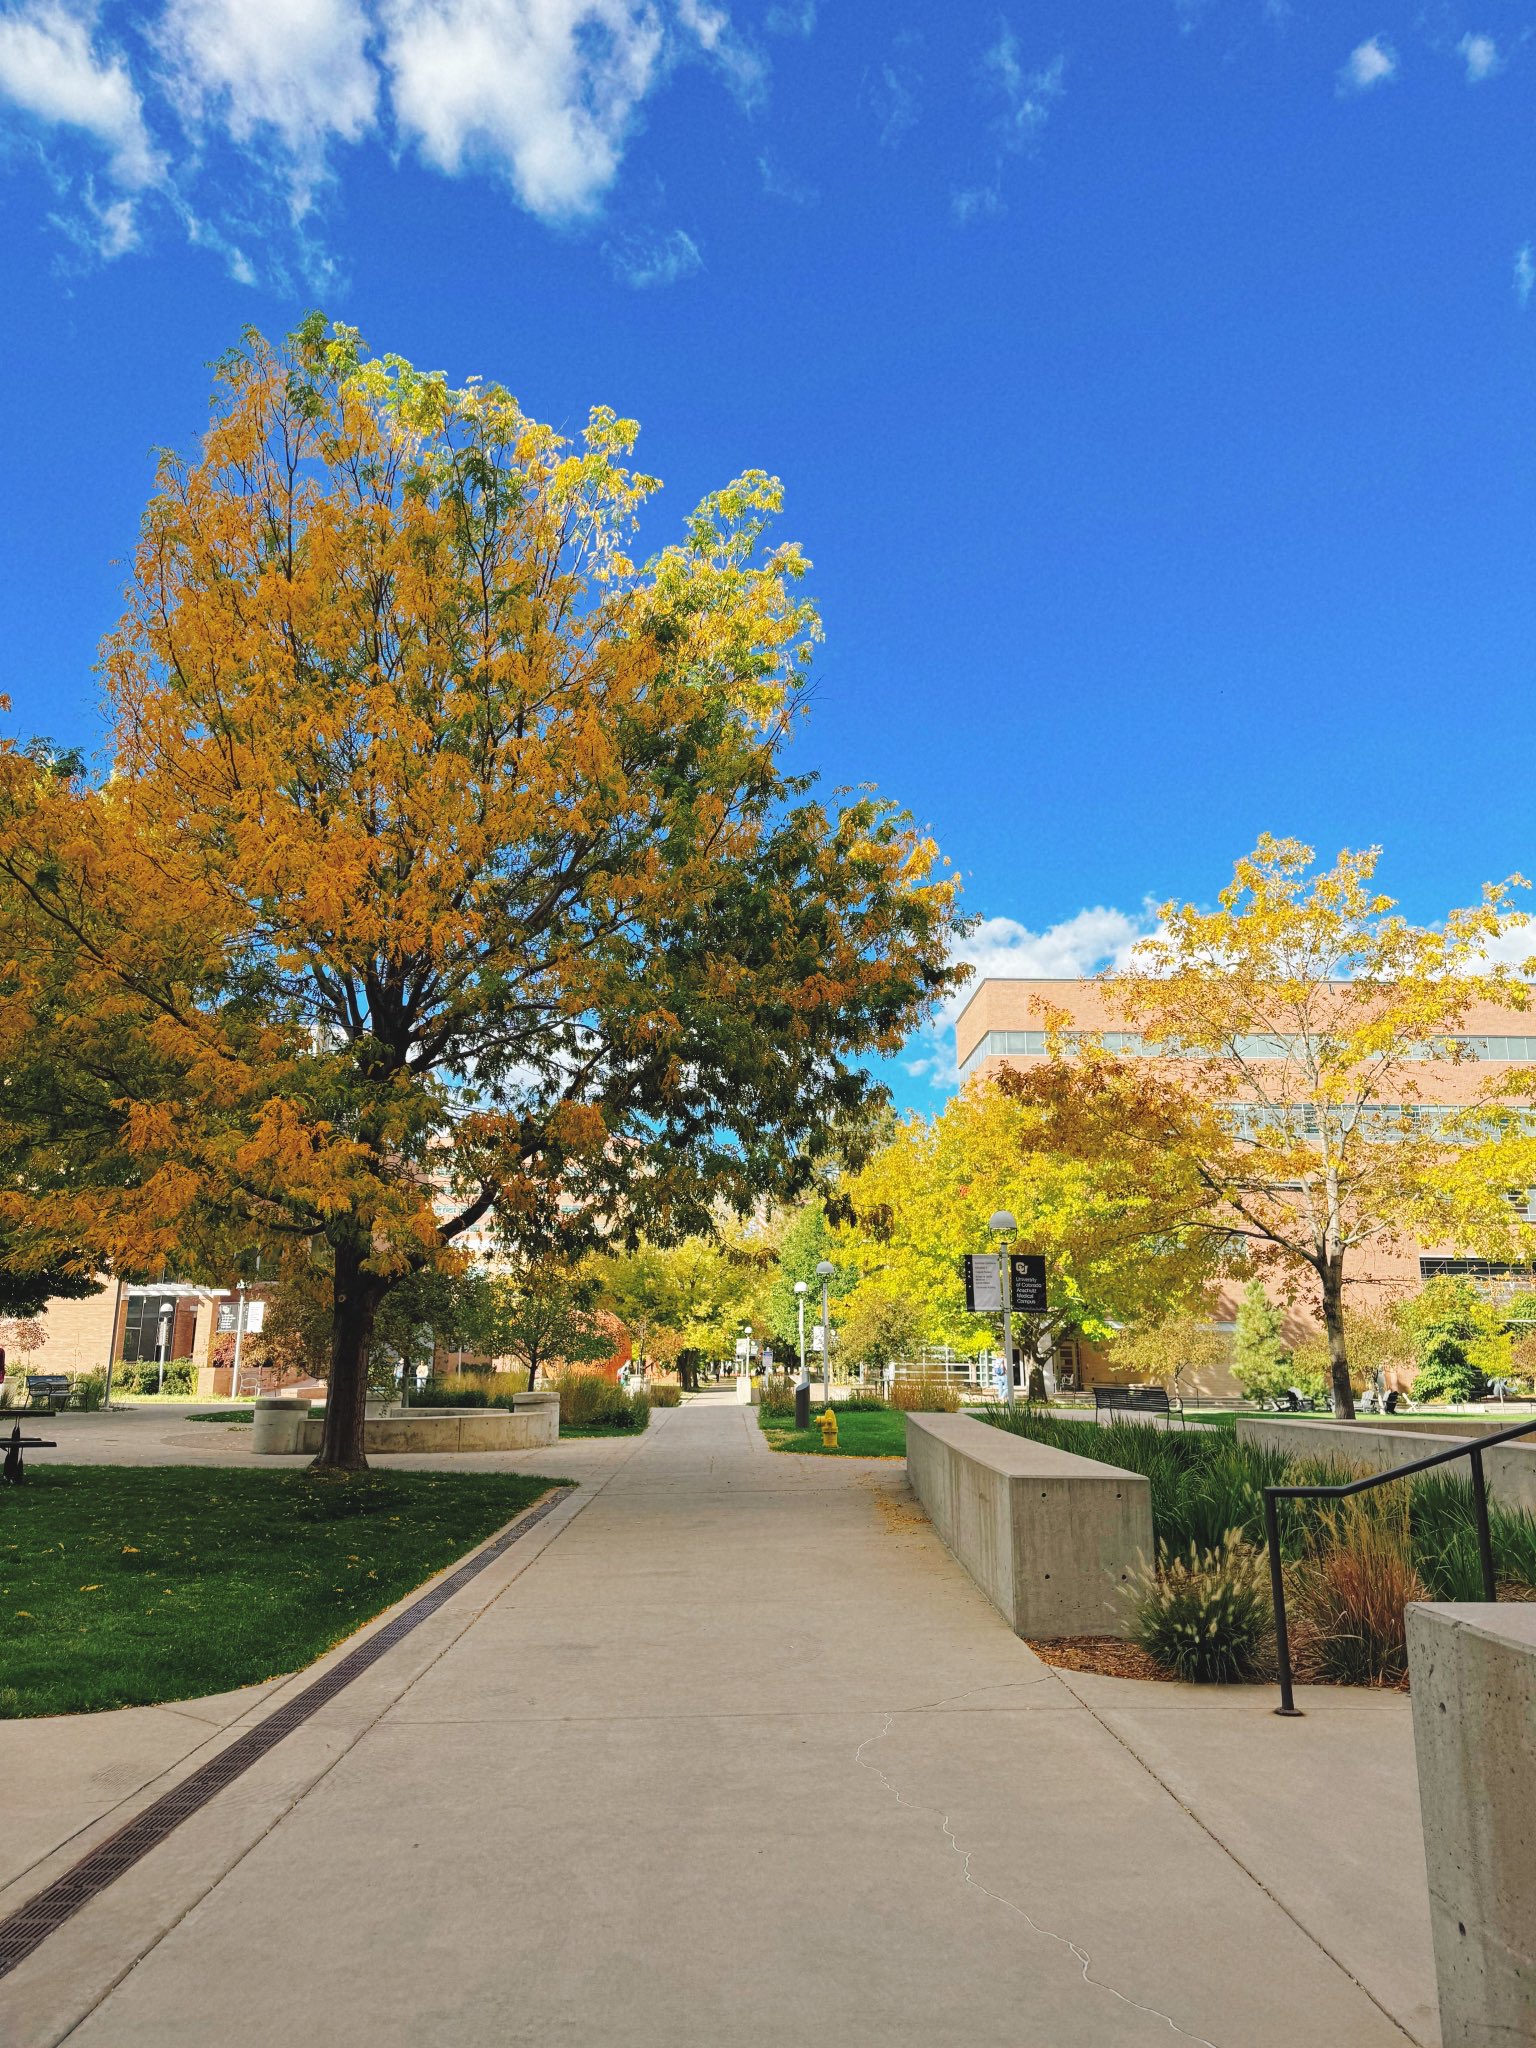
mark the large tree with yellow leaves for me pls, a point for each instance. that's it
(448, 874)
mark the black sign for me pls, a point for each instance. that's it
(1027, 1283)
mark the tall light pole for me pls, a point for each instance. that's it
(824, 1272)
(1002, 1224)
(234, 1377)
(800, 1292)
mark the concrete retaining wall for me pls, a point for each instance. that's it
(1052, 1539)
(1510, 1468)
(1473, 1673)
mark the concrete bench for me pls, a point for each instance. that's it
(1052, 1539)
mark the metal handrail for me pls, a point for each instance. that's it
(1473, 1450)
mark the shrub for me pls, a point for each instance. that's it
(88, 1390)
(664, 1393)
(1206, 1616)
(1447, 1373)
(1346, 1599)
(445, 1394)
(777, 1395)
(180, 1377)
(923, 1393)
(864, 1404)
(590, 1400)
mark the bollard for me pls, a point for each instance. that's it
(802, 1407)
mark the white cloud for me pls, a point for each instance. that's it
(781, 184)
(1001, 948)
(1525, 273)
(792, 20)
(976, 202)
(890, 93)
(294, 70)
(1369, 63)
(50, 68)
(544, 89)
(1028, 96)
(1481, 54)
(643, 260)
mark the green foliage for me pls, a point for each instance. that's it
(1447, 1373)
(806, 1242)
(1262, 1364)
(125, 1585)
(590, 1400)
(1450, 1308)
(444, 1394)
(878, 1326)
(1206, 1615)
(664, 1394)
(1204, 1483)
(88, 1391)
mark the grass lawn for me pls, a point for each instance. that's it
(124, 1585)
(866, 1433)
(223, 1415)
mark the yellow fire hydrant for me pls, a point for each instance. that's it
(827, 1424)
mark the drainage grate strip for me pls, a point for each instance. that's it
(22, 1931)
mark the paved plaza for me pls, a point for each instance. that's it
(727, 1750)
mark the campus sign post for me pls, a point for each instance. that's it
(986, 1292)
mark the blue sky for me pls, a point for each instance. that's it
(1152, 383)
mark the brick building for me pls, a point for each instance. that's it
(1003, 1025)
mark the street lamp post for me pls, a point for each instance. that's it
(803, 1384)
(234, 1377)
(1003, 1223)
(824, 1271)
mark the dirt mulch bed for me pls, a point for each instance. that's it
(1109, 1656)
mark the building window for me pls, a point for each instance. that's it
(149, 1321)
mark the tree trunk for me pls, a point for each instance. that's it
(533, 1373)
(356, 1299)
(1332, 1277)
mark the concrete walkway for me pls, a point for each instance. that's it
(730, 1751)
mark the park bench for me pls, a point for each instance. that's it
(1136, 1401)
(51, 1388)
(13, 1471)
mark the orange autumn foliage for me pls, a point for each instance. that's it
(448, 872)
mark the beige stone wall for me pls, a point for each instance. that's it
(77, 1336)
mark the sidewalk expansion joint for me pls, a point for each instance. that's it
(1078, 1953)
(31, 1924)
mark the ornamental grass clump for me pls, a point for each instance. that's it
(776, 1396)
(924, 1393)
(1345, 1599)
(1205, 1615)
(590, 1400)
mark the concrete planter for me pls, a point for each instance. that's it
(418, 1429)
(1377, 1447)
(1473, 1670)
(277, 1425)
(1051, 1539)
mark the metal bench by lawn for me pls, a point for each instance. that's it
(1136, 1401)
(51, 1388)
